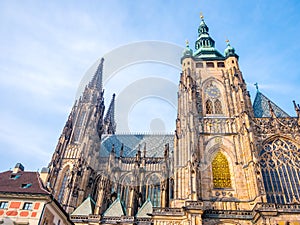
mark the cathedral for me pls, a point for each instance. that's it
(228, 162)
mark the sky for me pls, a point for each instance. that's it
(47, 47)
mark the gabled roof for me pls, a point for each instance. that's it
(21, 182)
(147, 208)
(85, 208)
(115, 209)
(261, 107)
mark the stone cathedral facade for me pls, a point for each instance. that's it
(229, 161)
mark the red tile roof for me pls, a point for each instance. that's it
(10, 185)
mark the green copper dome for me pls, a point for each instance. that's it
(187, 52)
(205, 45)
(229, 51)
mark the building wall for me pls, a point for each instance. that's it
(16, 212)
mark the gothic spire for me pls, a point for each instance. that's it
(96, 81)
(109, 119)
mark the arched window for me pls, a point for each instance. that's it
(209, 107)
(280, 165)
(221, 172)
(153, 184)
(125, 189)
(213, 103)
(63, 186)
(218, 107)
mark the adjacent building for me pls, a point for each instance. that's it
(24, 200)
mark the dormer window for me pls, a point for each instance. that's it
(14, 176)
(27, 185)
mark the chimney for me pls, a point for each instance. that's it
(18, 167)
(44, 175)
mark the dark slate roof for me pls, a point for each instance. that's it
(155, 144)
(261, 107)
(20, 183)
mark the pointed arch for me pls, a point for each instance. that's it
(153, 189)
(209, 106)
(213, 96)
(218, 107)
(64, 183)
(221, 171)
(280, 167)
(125, 184)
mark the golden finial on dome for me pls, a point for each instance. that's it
(201, 16)
(187, 42)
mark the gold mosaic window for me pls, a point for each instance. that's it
(221, 172)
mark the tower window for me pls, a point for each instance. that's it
(210, 65)
(218, 107)
(221, 172)
(209, 107)
(213, 102)
(221, 64)
(199, 65)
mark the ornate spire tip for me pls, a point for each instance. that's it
(187, 43)
(201, 16)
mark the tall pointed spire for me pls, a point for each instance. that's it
(109, 119)
(96, 81)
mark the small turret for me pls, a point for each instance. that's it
(230, 51)
(188, 52)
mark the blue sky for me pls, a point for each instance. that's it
(47, 47)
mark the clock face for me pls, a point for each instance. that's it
(212, 92)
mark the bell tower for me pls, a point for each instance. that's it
(214, 155)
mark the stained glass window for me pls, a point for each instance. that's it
(63, 186)
(280, 165)
(154, 190)
(221, 172)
